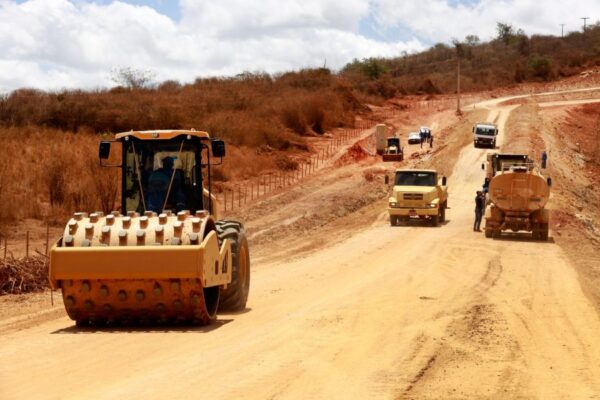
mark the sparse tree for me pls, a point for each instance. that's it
(472, 40)
(505, 32)
(133, 78)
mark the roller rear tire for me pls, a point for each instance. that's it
(234, 298)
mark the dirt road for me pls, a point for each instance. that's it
(403, 312)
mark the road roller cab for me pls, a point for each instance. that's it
(165, 256)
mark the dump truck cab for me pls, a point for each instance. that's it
(484, 134)
(393, 150)
(165, 256)
(418, 194)
(498, 163)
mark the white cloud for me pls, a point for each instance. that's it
(442, 20)
(72, 43)
(76, 43)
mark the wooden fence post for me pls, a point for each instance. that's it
(47, 237)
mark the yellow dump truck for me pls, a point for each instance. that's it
(517, 193)
(165, 256)
(418, 194)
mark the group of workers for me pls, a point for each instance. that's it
(426, 137)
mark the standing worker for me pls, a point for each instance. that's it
(422, 137)
(544, 159)
(479, 207)
(430, 140)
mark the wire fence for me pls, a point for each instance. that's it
(25, 246)
(239, 195)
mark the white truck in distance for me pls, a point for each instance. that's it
(484, 134)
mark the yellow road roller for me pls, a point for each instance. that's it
(165, 256)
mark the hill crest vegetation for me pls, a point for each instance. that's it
(49, 165)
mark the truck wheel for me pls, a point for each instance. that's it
(234, 298)
(443, 213)
(488, 233)
(543, 232)
(393, 220)
(435, 220)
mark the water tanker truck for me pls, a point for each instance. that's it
(517, 194)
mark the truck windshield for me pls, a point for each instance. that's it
(161, 176)
(416, 178)
(485, 131)
(505, 163)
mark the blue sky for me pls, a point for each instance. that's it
(54, 44)
(166, 7)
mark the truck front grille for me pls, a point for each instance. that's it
(413, 196)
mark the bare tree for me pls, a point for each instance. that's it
(133, 78)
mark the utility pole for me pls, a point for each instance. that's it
(584, 21)
(562, 30)
(458, 84)
(459, 50)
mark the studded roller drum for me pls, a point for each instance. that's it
(235, 295)
(127, 269)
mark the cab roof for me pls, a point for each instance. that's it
(486, 124)
(165, 134)
(416, 170)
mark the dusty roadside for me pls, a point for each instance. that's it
(569, 135)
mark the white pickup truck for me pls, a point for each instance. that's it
(484, 134)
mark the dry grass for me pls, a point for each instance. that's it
(46, 173)
(49, 155)
(248, 110)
